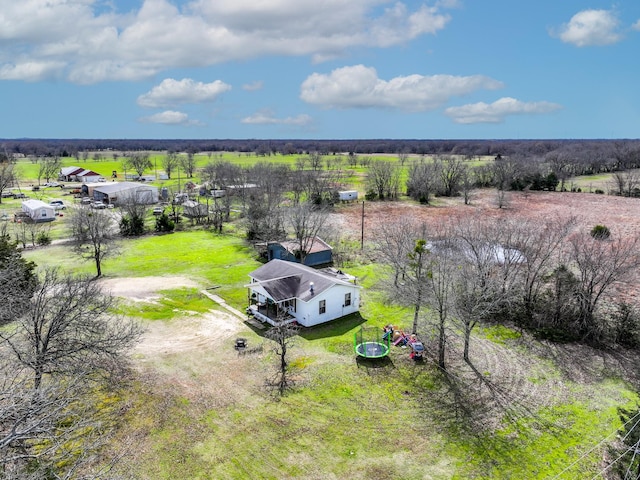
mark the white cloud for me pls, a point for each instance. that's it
(252, 87)
(398, 24)
(359, 87)
(172, 92)
(31, 71)
(266, 117)
(170, 117)
(95, 45)
(591, 28)
(636, 26)
(497, 111)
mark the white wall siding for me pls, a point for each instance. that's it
(308, 312)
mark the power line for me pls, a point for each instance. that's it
(599, 444)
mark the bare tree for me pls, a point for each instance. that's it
(626, 183)
(423, 180)
(416, 274)
(562, 164)
(68, 327)
(219, 175)
(38, 428)
(7, 174)
(316, 186)
(306, 221)
(265, 218)
(133, 206)
(467, 183)
(440, 291)
(30, 233)
(600, 264)
(93, 235)
(450, 169)
(63, 343)
(402, 244)
(426, 266)
(170, 162)
(394, 243)
(188, 164)
(49, 167)
(476, 297)
(505, 171)
(315, 160)
(283, 336)
(383, 177)
(540, 242)
(137, 161)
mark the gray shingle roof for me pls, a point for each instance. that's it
(285, 280)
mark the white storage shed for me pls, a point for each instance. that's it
(348, 195)
(38, 211)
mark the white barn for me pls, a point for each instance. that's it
(283, 291)
(38, 211)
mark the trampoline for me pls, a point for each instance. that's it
(368, 343)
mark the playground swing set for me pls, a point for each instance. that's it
(399, 338)
(368, 343)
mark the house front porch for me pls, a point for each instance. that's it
(270, 313)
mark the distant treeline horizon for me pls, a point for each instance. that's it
(265, 147)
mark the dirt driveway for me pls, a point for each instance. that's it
(191, 355)
(182, 334)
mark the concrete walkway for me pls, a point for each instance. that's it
(220, 301)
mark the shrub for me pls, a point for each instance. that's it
(626, 323)
(599, 192)
(43, 239)
(131, 227)
(600, 232)
(370, 195)
(165, 224)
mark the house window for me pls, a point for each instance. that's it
(322, 307)
(347, 299)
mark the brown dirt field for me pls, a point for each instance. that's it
(143, 288)
(621, 215)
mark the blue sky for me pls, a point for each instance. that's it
(325, 69)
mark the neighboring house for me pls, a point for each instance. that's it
(320, 253)
(283, 291)
(79, 174)
(115, 193)
(38, 211)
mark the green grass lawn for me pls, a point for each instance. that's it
(212, 260)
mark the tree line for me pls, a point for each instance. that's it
(266, 147)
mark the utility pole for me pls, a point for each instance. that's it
(362, 229)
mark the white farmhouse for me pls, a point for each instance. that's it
(283, 291)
